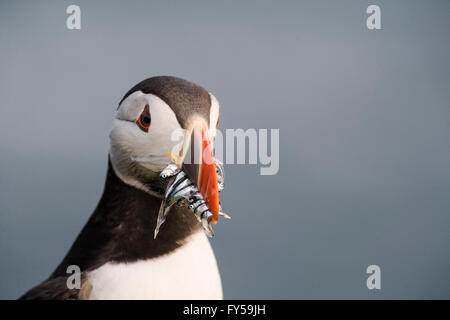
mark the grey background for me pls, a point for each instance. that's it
(364, 121)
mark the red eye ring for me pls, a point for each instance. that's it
(144, 119)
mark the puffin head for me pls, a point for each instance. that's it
(162, 120)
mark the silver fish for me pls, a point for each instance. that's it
(184, 193)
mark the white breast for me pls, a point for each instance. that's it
(189, 272)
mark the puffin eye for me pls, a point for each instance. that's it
(144, 119)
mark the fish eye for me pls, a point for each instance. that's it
(144, 119)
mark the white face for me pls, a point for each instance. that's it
(130, 138)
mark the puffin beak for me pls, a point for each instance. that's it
(200, 166)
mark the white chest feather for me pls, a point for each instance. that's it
(189, 272)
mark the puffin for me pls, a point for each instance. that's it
(124, 251)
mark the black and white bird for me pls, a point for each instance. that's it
(117, 251)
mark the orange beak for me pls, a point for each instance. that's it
(200, 167)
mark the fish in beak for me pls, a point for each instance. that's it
(196, 179)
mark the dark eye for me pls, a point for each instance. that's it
(144, 119)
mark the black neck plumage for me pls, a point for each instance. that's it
(121, 228)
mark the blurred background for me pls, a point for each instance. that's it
(364, 119)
